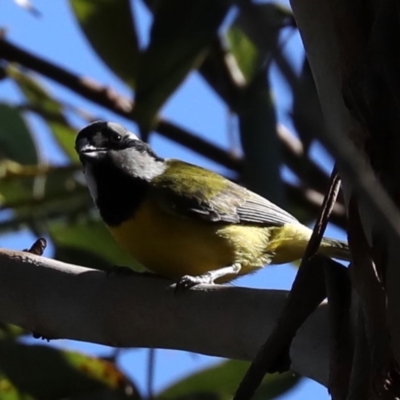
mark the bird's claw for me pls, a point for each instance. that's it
(188, 281)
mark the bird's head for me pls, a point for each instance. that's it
(109, 143)
(107, 149)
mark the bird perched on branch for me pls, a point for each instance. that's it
(182, 221)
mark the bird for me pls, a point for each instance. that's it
(182, 221)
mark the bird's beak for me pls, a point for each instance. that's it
(89, 152)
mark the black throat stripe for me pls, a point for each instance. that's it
(118, 194)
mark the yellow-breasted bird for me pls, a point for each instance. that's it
(183, 221)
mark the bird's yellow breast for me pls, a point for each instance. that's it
(173, 246)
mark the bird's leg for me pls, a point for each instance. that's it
(188, 281)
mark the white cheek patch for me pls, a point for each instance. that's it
(91, 182)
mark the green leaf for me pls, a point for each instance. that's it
(36, 194)
(220, 383)
(8, 331)
(109, 28)
(41, 190)
(244, 51)
(8, 391)
(47, 373)
(179, 37)
(41, 102)
(262, 23)
(84, 242)
(276, 385)
(253, 37)
(14, 190)
(16, 141)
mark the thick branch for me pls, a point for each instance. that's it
(58, 300)
(334, 36)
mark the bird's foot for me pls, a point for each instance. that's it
(188, 281)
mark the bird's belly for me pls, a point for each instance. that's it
(173, 246)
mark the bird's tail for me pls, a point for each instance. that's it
(335, 249)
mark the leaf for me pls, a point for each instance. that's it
(47, 373)
(261, 23)
(109, 27)
(36, 194)
(83, 242)
(16, 141)
(276, 385)
(14, 190)
(260, 143)
(179, 37)
(8, 331)
(41, 102)
(220, 382)
(244, 51)
(8, 391)
(41, 190)
(253, 36)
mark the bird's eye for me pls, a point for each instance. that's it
(116, 138)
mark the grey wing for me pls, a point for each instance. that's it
(193, 192)
(235, 207)
(259, 211)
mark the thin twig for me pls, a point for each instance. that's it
(307, 292)
(296, 159)
(10, 170)
(323, 218)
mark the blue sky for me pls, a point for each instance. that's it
(56, 36)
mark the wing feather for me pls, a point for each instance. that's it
(191, 191)
(258, 210)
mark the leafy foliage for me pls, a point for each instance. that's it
(220, 382)
(109, 26)
(41, 372)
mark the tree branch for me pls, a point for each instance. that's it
(110, 99)
(308, 291)
(59, 300)
(104, 96)
(335, 38)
